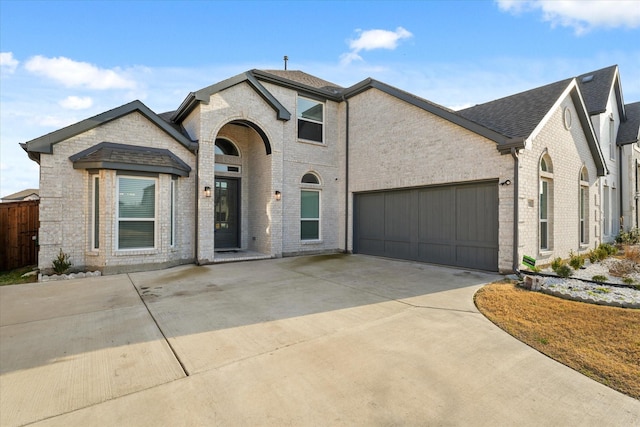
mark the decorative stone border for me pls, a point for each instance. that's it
(56, 277)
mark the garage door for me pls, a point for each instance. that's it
(453, 225)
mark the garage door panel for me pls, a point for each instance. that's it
(436, 253)
(397, 212)
(452, 225)
(476, 257)
(435, 219)
(396, 249)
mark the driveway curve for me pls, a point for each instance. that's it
(319, 340)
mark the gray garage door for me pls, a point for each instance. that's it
(453, 225)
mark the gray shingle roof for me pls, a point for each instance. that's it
(595, 87)
(22, 194)
(109, 155)
(516, 116)
(305, 79)
(629, 130)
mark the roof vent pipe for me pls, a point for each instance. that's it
(286, 58)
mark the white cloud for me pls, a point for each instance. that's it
(76, 103)
(8, 63)
(374, 39)
(79, 74)
(582, 16)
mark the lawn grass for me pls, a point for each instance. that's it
(601, 342)
(13, 277)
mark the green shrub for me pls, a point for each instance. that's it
(556, 264)
(61, 264)
(628, 281)
(630, 237)
(608, 248)
(599, 278)
(564, 271)
(593, 256)
(576, 261)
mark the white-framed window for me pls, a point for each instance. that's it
(172, 208)
(606, 208)
(310, 115)
(136, 212)
(310, 207)
(546, 204)
(584, 206)
(612, 139)
(95, 212)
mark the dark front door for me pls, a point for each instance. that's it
(227, 228)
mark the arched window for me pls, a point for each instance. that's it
(584, 206)
(226, 147)
(310, 178)
(310, 207)
(546, 204)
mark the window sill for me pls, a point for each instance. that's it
(311, 242)
(130, 252)
(316, 143)
(93, 252)
(545, 253)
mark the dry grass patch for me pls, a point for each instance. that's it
(601, 342)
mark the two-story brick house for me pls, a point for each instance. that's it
(281, 163)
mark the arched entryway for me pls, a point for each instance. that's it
(242, 191)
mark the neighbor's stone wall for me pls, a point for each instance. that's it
(568, 150)
(393, 144)
(65, 220)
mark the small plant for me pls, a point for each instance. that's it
(61, 264)
(628, 281)
(630, 237)
(632, 253)
(599, 278)
(535, 269)
(575, 261)
(603, 290)
(608, 248)
(556, 264)
(564, 271)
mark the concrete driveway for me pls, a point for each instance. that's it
(323, 340)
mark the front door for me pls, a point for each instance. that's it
(227, 227)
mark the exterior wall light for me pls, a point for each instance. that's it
(207, 191)
(278, 195)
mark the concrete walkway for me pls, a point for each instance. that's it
(324, 340)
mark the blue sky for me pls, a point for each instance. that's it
(65, 61)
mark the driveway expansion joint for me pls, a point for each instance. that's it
(166, 340)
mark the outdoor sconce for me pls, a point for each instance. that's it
(278, 195)
(207, 191)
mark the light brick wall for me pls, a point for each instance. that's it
(65, 221)
(268, 226)
(393, 144)
(569, 152)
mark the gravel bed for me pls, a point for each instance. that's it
(614, 292)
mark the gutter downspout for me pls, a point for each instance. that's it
(197, 202)
(346, 179)
(516, 219)
(620, 196)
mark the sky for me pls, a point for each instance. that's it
(65, 61)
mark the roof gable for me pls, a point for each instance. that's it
(629, 131)
(44, 144)
(108, 155)
(596, 87)
(504, 142)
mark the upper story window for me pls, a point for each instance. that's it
(545, 207)
(612, 139)
(310, 178)
(310, 120)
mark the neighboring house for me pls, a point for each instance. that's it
(21, 196)
(282, 163)
(628, 143)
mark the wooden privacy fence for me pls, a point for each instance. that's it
(18, 234)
